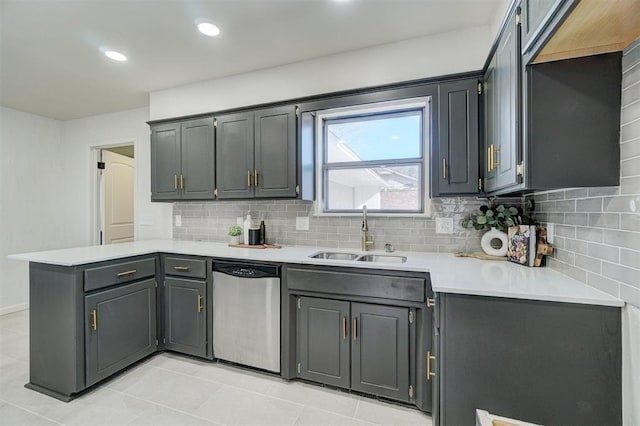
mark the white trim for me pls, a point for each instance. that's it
(94, 186)
(13, 308)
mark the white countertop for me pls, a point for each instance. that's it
(449, 274)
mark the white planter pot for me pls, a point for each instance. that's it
(234, 241)
(495, 243)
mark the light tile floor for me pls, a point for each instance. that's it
(169, 389)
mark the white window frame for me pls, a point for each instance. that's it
(424, 103)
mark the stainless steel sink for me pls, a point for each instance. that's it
(334, 255)
(381, 258)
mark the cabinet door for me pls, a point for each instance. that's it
(456, 159)
(490, 125)
(234, 156)
(323, 341)
(198, 159)
(275, 148)
(185, 316)
(120, 328)
(165, 161)
(380, 350)
(507, 115)
(535, 15)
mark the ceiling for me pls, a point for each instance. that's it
(51, 63)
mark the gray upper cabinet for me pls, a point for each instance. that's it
(257, 156)
(182, 160)
(502, 110)
(323, 341)
(185, 316)
(198, 159)
(165, 161)
(535, 15)
(235, 155)
(275, 153)
(380, 350)
(120, 328)
(455, 155)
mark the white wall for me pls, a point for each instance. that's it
(152, 220)
(448, 53)
(33, 215)
(45, 187)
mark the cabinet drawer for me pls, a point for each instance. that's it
(123, 272)
(185, 267)
(357, 284)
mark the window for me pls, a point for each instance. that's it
(375, 156)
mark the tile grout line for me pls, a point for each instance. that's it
(264, 394)
(30, 412)
(159, 404)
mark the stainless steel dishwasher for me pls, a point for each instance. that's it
(246, 314)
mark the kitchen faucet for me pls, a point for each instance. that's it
(365, 241)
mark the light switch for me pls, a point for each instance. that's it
(444, 225)
(302, 223)
(178, 220)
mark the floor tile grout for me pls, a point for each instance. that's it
(30, 412)
(273, 388)
(159, 404)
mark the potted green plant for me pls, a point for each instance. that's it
(496, 220)
(500, 217)
(234, 232)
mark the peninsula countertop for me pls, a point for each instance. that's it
(449, 274)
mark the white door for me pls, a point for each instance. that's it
(118, 198)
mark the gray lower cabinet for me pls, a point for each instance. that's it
(539, 362)
(323, 341)
(380, 350)
(185, 316)
(120, 328)
(360, 346)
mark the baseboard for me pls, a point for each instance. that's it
(13, 308)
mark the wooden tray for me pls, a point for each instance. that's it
(257, 246)
(481, 256)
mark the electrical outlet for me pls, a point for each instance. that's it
(178, 220)
(240, 221)
(444, 225)
(302, 223)
(551, 231)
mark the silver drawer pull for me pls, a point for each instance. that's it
(181, 268)
(125, 273)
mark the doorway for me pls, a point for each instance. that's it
(116, 176)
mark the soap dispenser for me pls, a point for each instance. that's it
(246, 227)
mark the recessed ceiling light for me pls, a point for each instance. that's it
(207, 28)
(116, 56)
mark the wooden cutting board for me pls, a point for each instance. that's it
(481, 256)
(257, 246)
